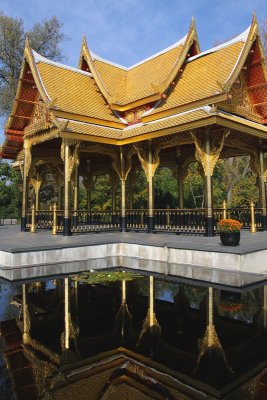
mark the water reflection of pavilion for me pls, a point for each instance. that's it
(112, 339)
(176, 107)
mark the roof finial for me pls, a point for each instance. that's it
(27, 41)
(254, 18)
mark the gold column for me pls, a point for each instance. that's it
(208, 189)
(179, 177)
(25, 191)
(76, 195)
(89, 184)
(67, 188)
(37, 192)
(59, 198)
(113, 182)
(66, 314)
(123, 191)
(262, 189)
(150, 181)
(131, 183)
(208, 150)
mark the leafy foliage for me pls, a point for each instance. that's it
(45, 38)
(107, 276)
(10, 191)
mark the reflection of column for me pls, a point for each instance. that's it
(152, 316)
(150, 181)
(76, 297)
(150, 333)
(67, 188)
(26, 327)
(262, 190)
(179, 177)
(211, 362)
(66, 314)
(265, 308)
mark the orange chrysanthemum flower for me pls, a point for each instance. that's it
(229, 225)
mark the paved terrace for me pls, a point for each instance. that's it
(25, 249)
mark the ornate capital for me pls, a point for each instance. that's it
(208, 149)
(36, 184)
(149, 165)
(27, 156)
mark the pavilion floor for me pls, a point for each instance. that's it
(24, 249)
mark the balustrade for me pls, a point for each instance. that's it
(165, 220)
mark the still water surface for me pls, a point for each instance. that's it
(210, 337)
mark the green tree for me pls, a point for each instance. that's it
(45, 38)
(10, 191)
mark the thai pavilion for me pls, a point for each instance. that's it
(175, 107)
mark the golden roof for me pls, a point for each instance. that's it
(173, 87)
(73, 91)
(203, 77)
(140, 81)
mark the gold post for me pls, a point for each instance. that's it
(76, 189)
(59, 199)
(224, 206)
(168, 216)
(33, 229)
(253, 228)
(54, 230)
(89, 184)
(113, 191)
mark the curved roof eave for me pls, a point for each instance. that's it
(251, 34)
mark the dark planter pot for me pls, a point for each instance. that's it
(230, 238)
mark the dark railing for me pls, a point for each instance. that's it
(244, 216)
(136, 220)
(182, 220)
(44, 219)
(88, 221)
(165, 220)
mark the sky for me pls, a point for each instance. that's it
(128, 31)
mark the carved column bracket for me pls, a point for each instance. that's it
(208, 153)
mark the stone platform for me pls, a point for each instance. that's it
(23, 250)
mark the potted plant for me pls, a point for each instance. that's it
(229, 231)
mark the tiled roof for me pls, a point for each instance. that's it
(136, 130)
(140, 81)
(202, 77)
(74, 92)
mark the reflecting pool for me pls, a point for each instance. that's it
(118, 334)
